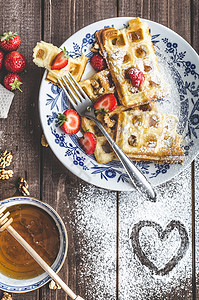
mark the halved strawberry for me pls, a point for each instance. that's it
(88, 142)
(69, 121)
(106, 103)
(60, 61)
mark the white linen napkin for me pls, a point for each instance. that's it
(5, 101)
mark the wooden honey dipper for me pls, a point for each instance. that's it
(5, 224)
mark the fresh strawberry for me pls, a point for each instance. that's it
(88, 142)
(15, 62)
(98, 62)
(69, 121)
(10, 41)
(106, 103)
(136, 77)
(12, 82)
(1, 59)
(60, 61)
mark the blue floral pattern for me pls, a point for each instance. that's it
(189, 118)
(107, 172)
(160, 168)
(79, 50)
(178, 58)
(71, 150)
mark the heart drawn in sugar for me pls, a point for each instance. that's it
(160, 250)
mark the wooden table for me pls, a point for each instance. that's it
(100, 262)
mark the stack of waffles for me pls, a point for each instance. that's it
(138, 128)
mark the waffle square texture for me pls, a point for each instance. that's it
(149, 136)
(127, 48)
(99, 84)
(103, 152)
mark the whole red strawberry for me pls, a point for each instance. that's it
(136, 77)
(15, 62)
(1, 59)
(10, 41)
(12, 82)
(98, 62)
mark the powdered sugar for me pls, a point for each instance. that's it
(137, 281)
(171, 103)
(159, 252)
(95, 230)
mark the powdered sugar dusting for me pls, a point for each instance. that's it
(197, 221)
(95, 230)
(94, 226)
(171, 103)
(136, 280)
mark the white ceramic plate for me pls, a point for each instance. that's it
(12, 285)
(179, 64)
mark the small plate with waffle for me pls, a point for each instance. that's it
(155, 124)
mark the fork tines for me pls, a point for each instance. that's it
(72, 89)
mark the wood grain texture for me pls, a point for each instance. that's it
(67, 193)
(196, 217)
(100, 264)
(195, 44)
(20, 132)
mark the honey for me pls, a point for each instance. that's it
(39, 230)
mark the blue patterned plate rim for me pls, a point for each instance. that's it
(41, 280)
(181, 61)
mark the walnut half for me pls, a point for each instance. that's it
(44, 142)
(23, 187)
(5, 174)
(54, 286)
(5, 159)
(6, 296)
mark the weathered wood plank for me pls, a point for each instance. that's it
(136, 280)
(195, 44)
(89, 213)
(196, 273)
(20, 133)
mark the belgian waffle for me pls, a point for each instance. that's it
(103, 152)
(127, 48)
(149, 136)
(99, 84)
(43, 56)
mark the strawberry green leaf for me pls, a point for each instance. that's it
(61, 119)
(16, 85)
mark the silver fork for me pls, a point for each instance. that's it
(84, 106)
